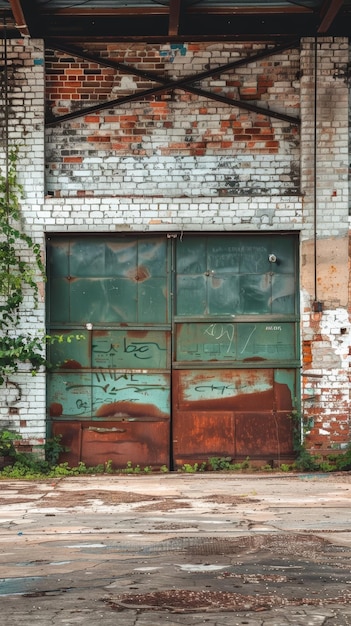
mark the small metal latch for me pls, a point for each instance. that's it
(95, 429)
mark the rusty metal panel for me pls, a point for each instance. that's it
(143, 443)
(202, 434)
(236, 413)
(225, 390)
(131, 396)
(229, 341)
(71, 435)
(263, 435)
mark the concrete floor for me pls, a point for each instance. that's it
(142, 550)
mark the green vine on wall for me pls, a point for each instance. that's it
(20, 263)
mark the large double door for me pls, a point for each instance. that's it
(188, 347)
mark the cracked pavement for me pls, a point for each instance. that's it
(143, 550)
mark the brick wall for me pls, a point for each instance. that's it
(253, 185)
(177, 143)
(324, 248)
(22, 401)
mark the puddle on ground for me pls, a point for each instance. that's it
(18, 586)
(201, 568)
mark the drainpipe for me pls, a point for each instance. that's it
(317, 306)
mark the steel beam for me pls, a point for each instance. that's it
(167, 85)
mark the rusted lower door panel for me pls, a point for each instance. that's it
(143, 442)
(236, 413)
(199, 435)
(263, 436)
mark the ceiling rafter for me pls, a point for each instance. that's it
(18, 14)
(328, 13)
(165, 21)
(174, 17)
(167, 85)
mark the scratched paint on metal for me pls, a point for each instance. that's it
(236, 413)
(225, 389)
(109, 394)
(229, 341)
(285, 388)
(136, 349)
(70, 395)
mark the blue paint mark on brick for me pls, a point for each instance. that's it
(181, 47)
(38, 61)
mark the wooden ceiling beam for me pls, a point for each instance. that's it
(18, 14)
(106, 12)
(328, 13)
(174, 17)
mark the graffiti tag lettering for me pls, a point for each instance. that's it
(220, 331)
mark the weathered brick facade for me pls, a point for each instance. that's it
(178, 162)
(174, 144)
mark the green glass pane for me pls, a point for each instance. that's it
(120, 258)
(255, 294)
(152, 301)
(132, 349)
(254, 254)
(283, 248)
(152, 254)
(223, 294)
(87, 258)
(223, 255)
(99, 301)
(191, 295)
(191, 256)
(59, 299)
(283, 294)
(58, 256)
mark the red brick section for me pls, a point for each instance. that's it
(73, 83)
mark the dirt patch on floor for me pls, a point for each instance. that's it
(306, 546)
(228, 499)
(68, 499)
(188, 601)
(164, 505)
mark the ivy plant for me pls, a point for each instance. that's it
(20, 267)
(20, 263)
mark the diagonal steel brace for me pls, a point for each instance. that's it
(167, 85)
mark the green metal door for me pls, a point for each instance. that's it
(236, 347)
(109, 393)
(228, 302)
